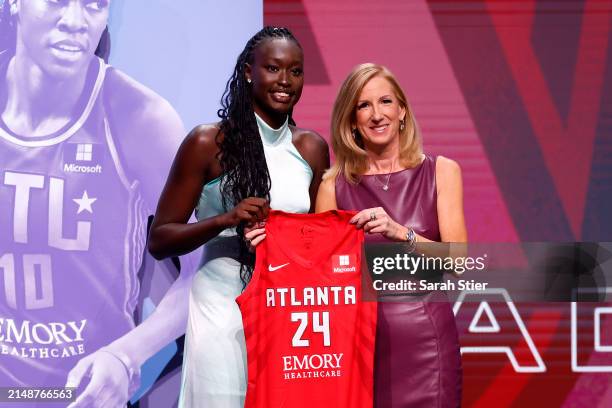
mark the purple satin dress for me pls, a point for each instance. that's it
(417, 358)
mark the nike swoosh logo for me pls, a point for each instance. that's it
(274, 268)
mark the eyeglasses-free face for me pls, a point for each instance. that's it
(378, 113)
(60, 36)
(277, 78)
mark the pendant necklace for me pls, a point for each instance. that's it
(385, 185)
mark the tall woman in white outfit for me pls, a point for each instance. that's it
(231, 173)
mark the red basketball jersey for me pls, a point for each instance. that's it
(309, 335)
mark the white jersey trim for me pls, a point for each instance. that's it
(115, 156)
(133, 249)
(75, 126)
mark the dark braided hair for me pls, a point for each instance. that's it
(8, 34)
(241, 153)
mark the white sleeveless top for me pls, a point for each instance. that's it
(214, 362)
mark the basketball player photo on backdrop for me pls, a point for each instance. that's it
(76, 192)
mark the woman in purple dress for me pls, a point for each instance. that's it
(401, 195)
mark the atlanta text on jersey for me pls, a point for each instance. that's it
(311, 296)
(312, 366)
(405, 285)
(41, 340)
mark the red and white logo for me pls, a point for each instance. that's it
(344, 263)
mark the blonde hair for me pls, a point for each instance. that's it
(351, 157)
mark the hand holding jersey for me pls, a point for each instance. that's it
(254, 234)
(376, 221)
(248, 211)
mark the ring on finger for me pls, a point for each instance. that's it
(373, 216)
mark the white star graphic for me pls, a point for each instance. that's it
(84, 203)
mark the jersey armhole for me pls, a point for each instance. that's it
(115, 153)
(115, 156)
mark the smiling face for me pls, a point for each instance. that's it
(277, 75)
(378, 113)
(60, 36)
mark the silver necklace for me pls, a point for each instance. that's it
(385, 185)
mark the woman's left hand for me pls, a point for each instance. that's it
(377, 221)
(254, 234)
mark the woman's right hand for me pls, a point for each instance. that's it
(249, 211)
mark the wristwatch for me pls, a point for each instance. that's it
(411, 239)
